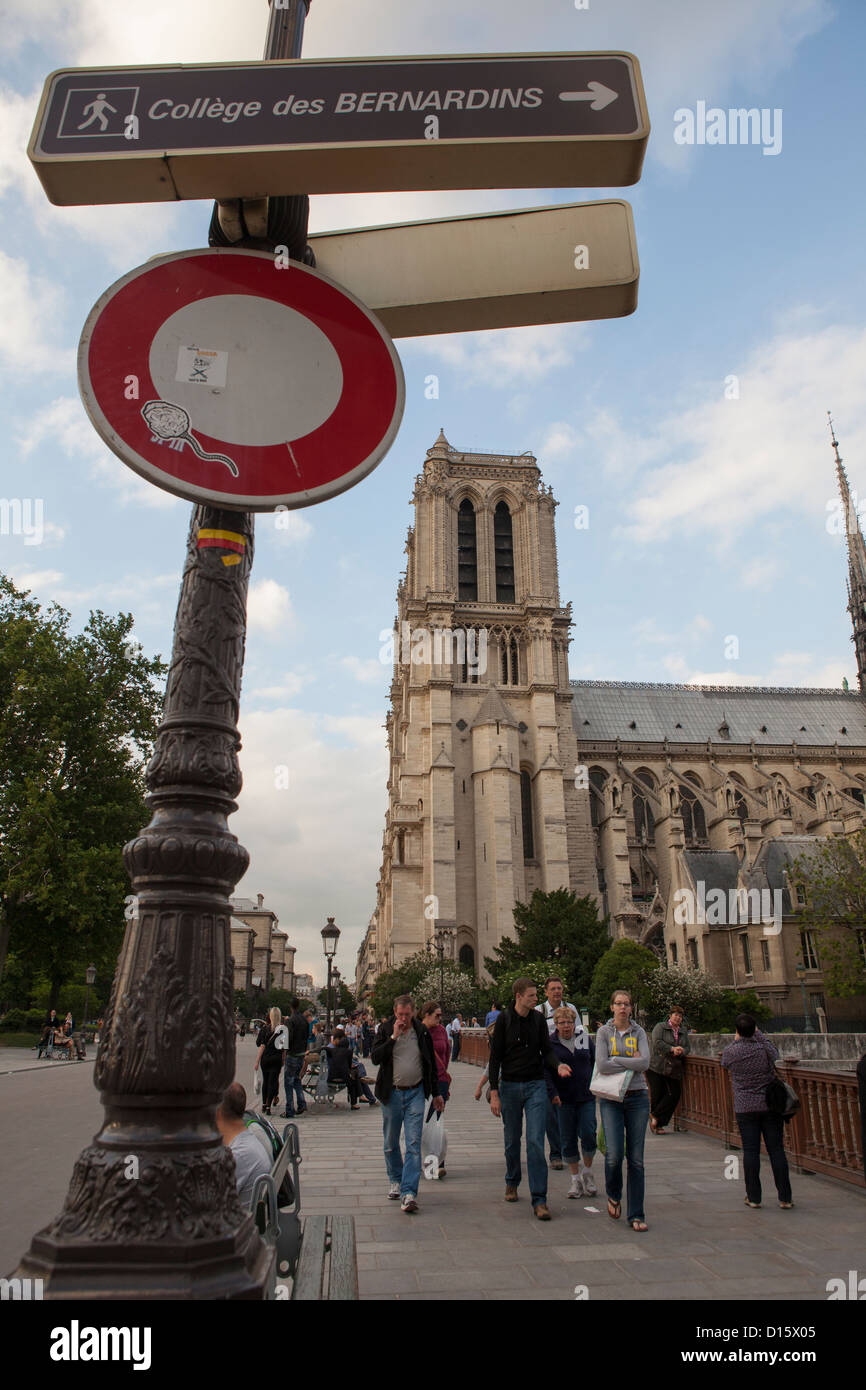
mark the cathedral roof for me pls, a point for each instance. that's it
(771, 870)
(635, 712)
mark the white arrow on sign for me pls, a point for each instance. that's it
(598, 94)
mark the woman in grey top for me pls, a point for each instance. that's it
(622, 1046)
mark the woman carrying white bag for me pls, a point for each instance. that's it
(622, 1056)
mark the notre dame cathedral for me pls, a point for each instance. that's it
(681, 809)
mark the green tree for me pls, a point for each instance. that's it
(695, 990)
(626, 965)
(535, 970)
(720, 1017)
(559, 927)
(400, 979)
(833, 876)
(78, 716)
(340, 999)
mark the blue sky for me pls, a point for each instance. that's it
(708, 515)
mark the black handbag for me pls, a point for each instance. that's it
(672, 1067)
(782, 1099)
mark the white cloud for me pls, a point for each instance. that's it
(291, 684)
(507, 356)
(369, 672)
(65, 423)
(289, 527)
(316, 842)
(31, 309)
(270, 607)
(723, 465)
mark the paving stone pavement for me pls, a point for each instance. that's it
(465, 1242)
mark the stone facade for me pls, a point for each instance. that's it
(659, 801)
(259, 949)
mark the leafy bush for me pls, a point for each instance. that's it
(14, 1021)
(535, 970)
(699, 994)
(719, 1018)
(458, 993)
(626, 965)
(34, 1019)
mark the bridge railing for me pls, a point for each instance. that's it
(825, 1135)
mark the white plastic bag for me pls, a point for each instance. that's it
(434, 1142)
(257, 1082)
(612, 1086)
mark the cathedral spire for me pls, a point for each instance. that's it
(856, 561)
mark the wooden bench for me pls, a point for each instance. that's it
(318, 1255)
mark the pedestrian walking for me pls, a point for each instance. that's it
(668, 1051)
(622, 1046)
(519, 1051)
(492, 1014)
(456, 1030)
(366, 1037)
(431, 1017)
(573, 1101)
(750, 1059)
(553, 989)
(296, 1051)
(403, 1052)
(270, 1058)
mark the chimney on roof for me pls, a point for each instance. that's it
(260, 898)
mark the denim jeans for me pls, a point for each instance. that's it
(405, 1110)
(554, 1138)
(292, 1082)
(531, 1097)
(625, 1125)
(578, 1129)
(772, 1127)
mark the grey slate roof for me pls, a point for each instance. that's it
(716, 868)
(720, 868)
(722, 713)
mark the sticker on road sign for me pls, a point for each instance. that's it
(254, 386)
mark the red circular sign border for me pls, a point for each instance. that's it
(362, 410)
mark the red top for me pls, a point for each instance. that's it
(441, 1050)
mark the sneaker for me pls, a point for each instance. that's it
(511, 1194)
(408, 1203)
(541, 1212)
(589, 1187)
(576, 1188)
(393, 1192)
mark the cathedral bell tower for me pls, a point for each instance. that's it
(485, 802)
(856, 563)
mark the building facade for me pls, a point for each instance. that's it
(260, 950)
(658, 800)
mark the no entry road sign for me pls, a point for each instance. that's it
(505, 269)
(222, 378)
(555, 120)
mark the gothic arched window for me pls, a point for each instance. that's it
(467, 553)
(503, 546)
(694, 820)
(467, 956)
(515, 663)
(526, 815)
(644, 820)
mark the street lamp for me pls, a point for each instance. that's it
(801, 976)
(90, 977)
(330, 937)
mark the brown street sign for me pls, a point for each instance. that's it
(541, 120)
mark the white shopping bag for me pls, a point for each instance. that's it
(257, 1082)
(434, 1142)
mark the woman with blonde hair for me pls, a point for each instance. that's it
(271, 1059)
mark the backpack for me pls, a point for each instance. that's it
(271, 1139)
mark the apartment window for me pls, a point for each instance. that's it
(765, 954)
(692, 947)
(809, 950)
(747, 954)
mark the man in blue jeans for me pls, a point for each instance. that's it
(403, 1052)
(295, 1052)
(519, 1051)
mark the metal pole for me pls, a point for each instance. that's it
(328, 1010)
(170, 1225)
(286, 28)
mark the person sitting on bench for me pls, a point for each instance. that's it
(251, 1160)
(340, 1069)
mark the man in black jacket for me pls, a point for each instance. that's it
(403, 1052)
(296, 1050)
(519, 1050)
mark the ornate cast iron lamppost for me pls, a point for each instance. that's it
(330, 937)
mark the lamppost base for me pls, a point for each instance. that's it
(239, 1268)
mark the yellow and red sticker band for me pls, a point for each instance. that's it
(223, 540)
